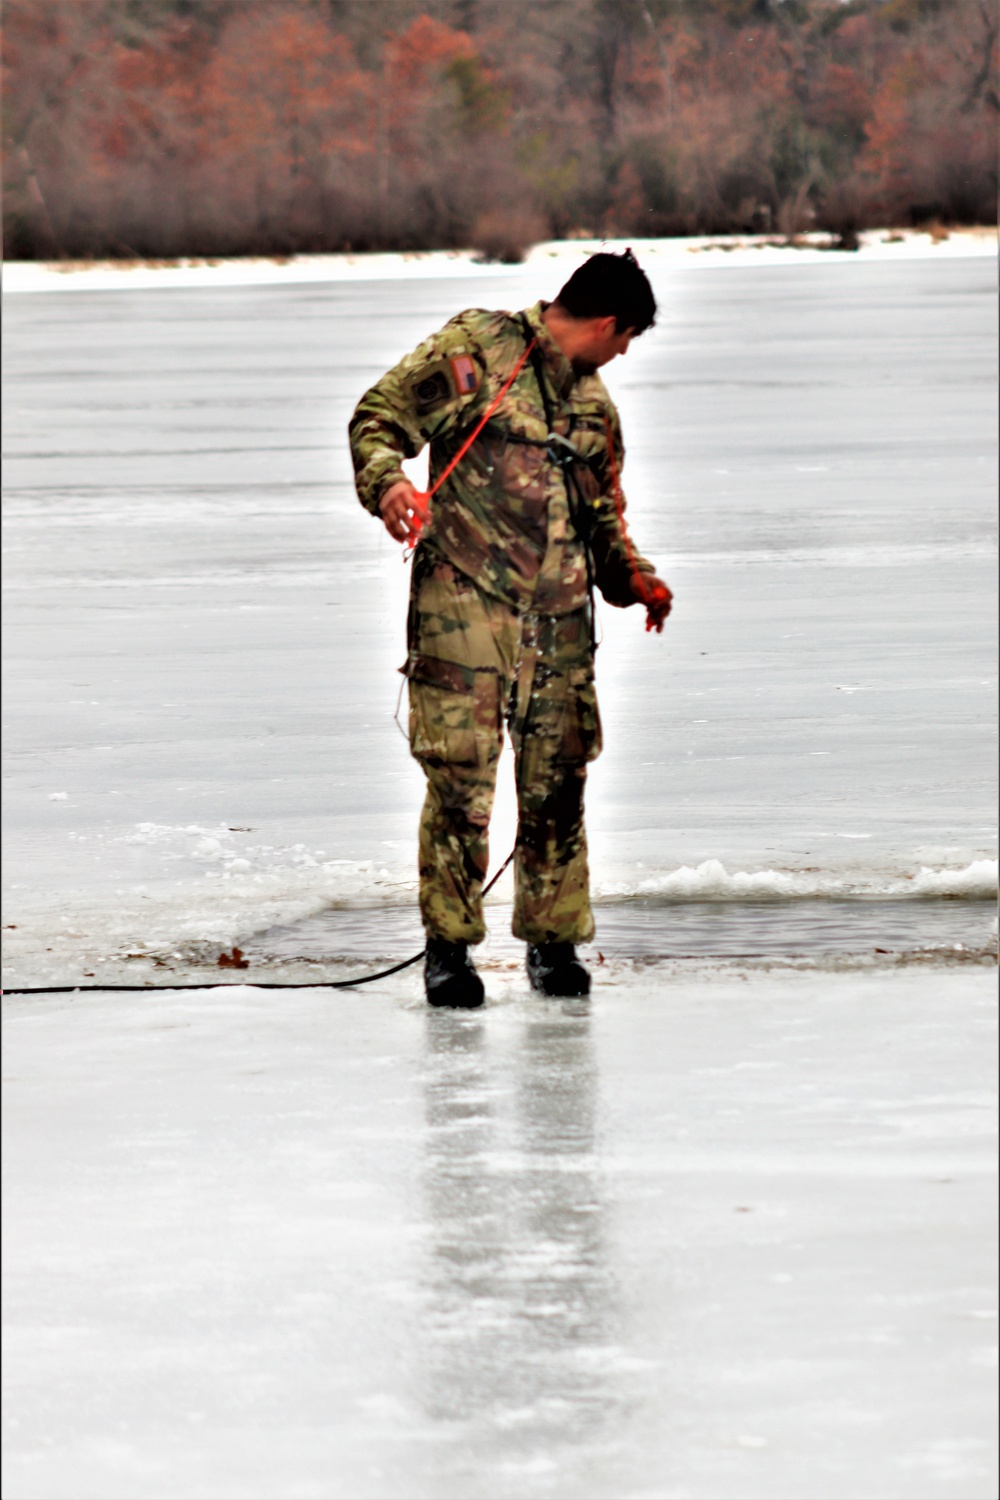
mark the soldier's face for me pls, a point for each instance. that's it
(604, 343)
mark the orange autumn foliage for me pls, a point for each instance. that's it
(293, 125)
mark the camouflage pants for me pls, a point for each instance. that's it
(473, 664)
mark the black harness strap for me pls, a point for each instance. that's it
(564, 456)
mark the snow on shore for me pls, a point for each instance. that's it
(693, 253)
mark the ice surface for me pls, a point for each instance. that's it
(202, 626)
(712, 1236)
(723, 1232)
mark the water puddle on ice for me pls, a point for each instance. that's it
(649, 929)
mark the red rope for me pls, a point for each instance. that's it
(421, 511)
(649, 596)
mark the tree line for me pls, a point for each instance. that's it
(165, 128)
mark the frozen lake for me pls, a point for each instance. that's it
(727, 1232)
(202, 626)
(713, 1237)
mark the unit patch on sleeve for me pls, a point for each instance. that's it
(433, 387)
(438, 384)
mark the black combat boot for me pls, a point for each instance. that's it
(449, 977)
(554, 969)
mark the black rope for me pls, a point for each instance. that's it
(257, 984)
(224, 984)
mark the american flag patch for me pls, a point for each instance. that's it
(466, 373)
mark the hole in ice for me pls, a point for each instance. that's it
(650, 929)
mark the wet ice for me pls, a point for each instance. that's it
(712, 1234)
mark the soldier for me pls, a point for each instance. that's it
(501, 611)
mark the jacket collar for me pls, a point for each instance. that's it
(560, 372)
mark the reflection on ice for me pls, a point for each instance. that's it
(718, 1236)
(520, 1320)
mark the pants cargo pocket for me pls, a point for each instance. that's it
(454, 713)
(581, 739)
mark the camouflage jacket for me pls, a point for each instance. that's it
(503, 517)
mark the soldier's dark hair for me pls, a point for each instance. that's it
(610, 285)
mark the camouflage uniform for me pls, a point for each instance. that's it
(499, 624)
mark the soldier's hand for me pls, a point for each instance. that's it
(402, 512)
(656, 596)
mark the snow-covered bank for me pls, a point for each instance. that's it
(709, 1236)
(875, 246)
